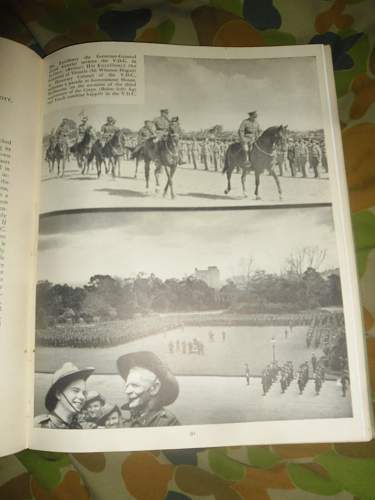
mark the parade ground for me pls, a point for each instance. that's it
(253, 345)
(213, 387)
(191, 187)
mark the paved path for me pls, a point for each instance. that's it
(192, 188)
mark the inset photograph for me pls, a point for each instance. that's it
(164, 318)
(211, 132)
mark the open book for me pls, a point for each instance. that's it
(177, 263)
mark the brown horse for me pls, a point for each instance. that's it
(61, 154)
(114, 149)
(148, 153)
(164, 153)
(262, 157)
(82, 149)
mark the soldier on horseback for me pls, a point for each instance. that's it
(249, 132)
(62, 131)
(109, 129)
(162, 123)
(82, 127)
(148, 131)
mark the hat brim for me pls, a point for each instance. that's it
(61, 383)
(91, 400)
(112, 409)
(145, 359)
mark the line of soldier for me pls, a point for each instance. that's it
(207, 151)
(149, 387)
(269, 376)
(186, 347)
(101, 336)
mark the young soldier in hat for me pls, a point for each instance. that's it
(65, 398)
(150, 386)
(249, 132)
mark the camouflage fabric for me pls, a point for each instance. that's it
(337, 471)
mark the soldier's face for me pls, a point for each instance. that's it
(113, 420)
(94, 409)
(140, 387)
(73, 397)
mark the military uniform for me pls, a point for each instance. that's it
(53, 421)
(315, 157)
(153, 418)
(248, 132)
(62, 132)
(174, 128)
(162, 124)
(82, 127)
(108, 130)
(146, 132)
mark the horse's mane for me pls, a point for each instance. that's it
(270, 131)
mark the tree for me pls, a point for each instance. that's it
(299, 260)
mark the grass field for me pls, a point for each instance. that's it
(242, 344)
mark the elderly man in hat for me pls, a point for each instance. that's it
(149, 387)
(65, 398)
(249, 132)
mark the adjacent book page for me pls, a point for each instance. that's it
(20, 132)
(196, 274)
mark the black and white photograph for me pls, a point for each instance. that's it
(189, 317)
(210, 132)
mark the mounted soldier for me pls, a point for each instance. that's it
(249, 132)
(148, 131)
(82, 127)
(63, 131)
(162, 124)
(109, 129)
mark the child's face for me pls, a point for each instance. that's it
(94, 409)
(113, 420)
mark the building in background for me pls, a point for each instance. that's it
(211, 276)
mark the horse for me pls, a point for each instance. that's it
(82, 149)
(50, 156)
(148, 153)
(164, 153)
(168, 156)
(114, 149)
(262, 157)
(61, 153)
(98, 154)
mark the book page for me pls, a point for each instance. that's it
(196, 274)
(20, 125)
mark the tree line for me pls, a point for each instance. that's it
(106, 297)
